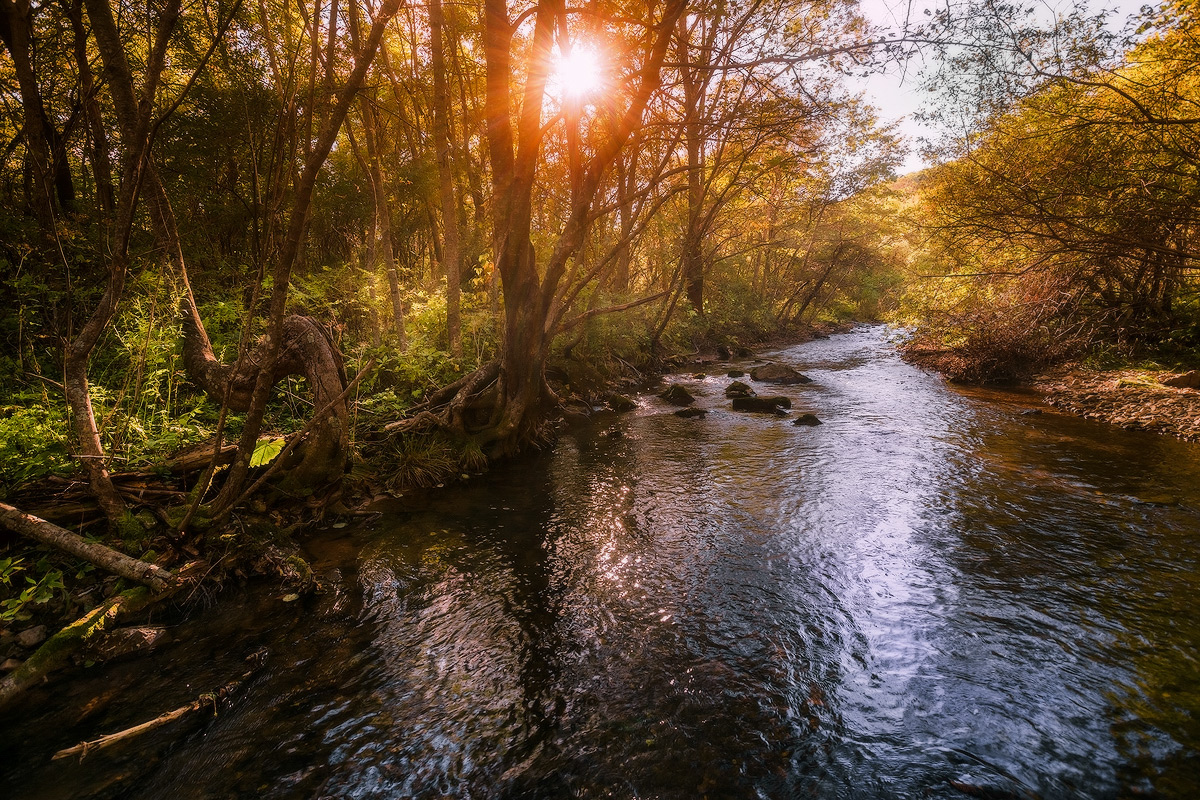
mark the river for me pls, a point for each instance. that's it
(934, 594)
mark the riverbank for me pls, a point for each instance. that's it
(677, 608)
(1134, 399)
(1160, 401)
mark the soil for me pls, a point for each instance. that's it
(1134, 399)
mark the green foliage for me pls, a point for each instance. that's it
(32, 441)
(1083, 193)
(19, 597)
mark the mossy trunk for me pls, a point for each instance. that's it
(56, 652)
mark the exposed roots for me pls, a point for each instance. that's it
(465, 425)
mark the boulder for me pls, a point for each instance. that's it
(778, 373)
(806, 419)
(735, 373)
(620, 403)
(738, 389)
(762, 405)
(1188, 380)
(689, 413)
(32, 637)
(676, 395)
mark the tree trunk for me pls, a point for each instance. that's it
(307, 351)
(451, 256)
(272, 345)
(383, 218)
(106, 558)
(16, 31)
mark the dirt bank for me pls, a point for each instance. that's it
(1134, 399)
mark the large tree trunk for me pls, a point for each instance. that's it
(693, 246)
(270, 352)
(532, 296)
(44, 153)
(383, 223)
(135, 145)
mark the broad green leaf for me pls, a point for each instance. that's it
(265, 451)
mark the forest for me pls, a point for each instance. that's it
(270, 264)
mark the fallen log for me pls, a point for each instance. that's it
(106, 558)
(204, 701)
(55, 653)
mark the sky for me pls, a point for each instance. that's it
(897, 96)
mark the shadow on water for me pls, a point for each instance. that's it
(931, 595)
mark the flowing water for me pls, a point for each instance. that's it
(931, 595)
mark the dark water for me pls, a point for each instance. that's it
(932, 595)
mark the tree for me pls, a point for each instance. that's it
(502, 405)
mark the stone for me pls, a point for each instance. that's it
(762, 405)
(32, 637)
(10, 664)
(620, 403)
(735, 373)
(738, 389)
(125, 641)
(778, 373)
(576, 412)
(689, 413)
(699, 376)
(676, 395)
(723, 352)
(806, 419)
(1188, 380)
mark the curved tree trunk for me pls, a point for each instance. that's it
(305, 350)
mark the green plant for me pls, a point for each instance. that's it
(32, 442)
(36, 591)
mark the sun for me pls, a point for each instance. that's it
(579, 72)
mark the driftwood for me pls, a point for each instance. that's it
(205, 701)
(106, 558)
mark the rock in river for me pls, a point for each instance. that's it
(620, 403)
(738, 389)
(676, 395)
(778, 373)
(806, 419)
(688, 413)
(765, 405)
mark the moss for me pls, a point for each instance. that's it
(55, 653)
(297, 574)
(131, 530)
